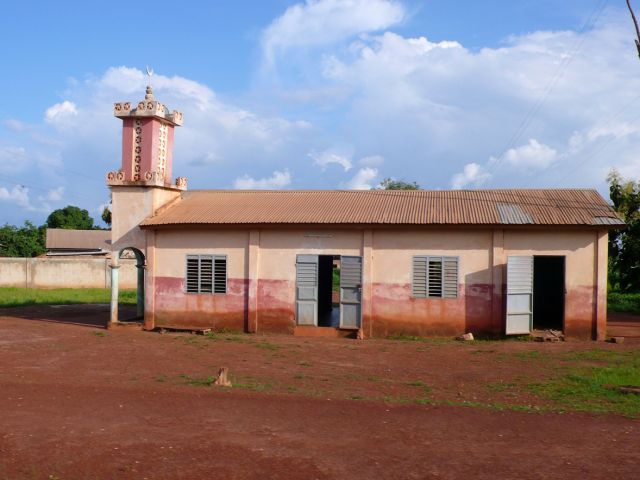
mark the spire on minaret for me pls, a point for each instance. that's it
(149, 94)
(147, 142)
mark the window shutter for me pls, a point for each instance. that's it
(450, 277)
(193, 269)
(220, 274)
(434, 280)
(206, 274)
(419, 277)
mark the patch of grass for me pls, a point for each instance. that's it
(198, 382)
(19, 297)
(161, 378)
(624, 302)
(100, 334)
(356, 397)
(299, 376)
(594, 388)
(531, 355)
(267, 346)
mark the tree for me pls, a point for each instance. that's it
(624, 244)
(70, 217)
(392, 184)
(106, 216)
(27, 241)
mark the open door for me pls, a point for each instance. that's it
(307, 290)
(519, 295)
(350, 292)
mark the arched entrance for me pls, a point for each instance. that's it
(115, 283)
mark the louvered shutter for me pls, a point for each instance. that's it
(220, 274)
(450, 277)
(206, 274)
(419, 277)
(193, 274)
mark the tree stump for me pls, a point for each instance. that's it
(222, 380)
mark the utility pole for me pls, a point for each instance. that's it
(635, 23)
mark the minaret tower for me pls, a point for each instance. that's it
(147, 143)
(140, 187)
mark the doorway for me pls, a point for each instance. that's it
(328, 291)
(548, 292)
(535, 293)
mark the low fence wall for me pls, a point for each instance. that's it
(55, 272)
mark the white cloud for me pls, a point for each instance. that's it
(363, 179)
(371, 161)
(472, 175)
(54, 195)
(277, 181)
(323, 22)
(532, 155)
(15, 125)
(18, 195)
(60, 112)
(328, 157)
(11, 154)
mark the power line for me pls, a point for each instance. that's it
(562, 68)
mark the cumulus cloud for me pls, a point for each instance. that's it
(472, 175)
(328, 157)
(532, 155)
(276, 181)
(363, 179)
(321, 22)
(60, 111)
(18, 195)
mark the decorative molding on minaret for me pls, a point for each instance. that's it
(147, 143)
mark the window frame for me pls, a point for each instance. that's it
(212, 257)
(447, 263)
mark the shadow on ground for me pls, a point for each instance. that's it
(90, 315)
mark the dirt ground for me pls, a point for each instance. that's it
(80, 402)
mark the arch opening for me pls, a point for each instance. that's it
(140, 264)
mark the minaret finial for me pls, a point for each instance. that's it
(149, 94)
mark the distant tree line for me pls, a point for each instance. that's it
(624, 244)
(29, 240)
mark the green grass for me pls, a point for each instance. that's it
(18, 297)
(592, 387)
(624, 302)
(335, 280)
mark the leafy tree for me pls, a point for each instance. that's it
(392, 184)
(624, 244)
(106, 216)
(26, 241)
(70, 217)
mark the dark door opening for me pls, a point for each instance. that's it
(328, 309)
(548, 292)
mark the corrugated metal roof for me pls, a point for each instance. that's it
(395, 207)
(513, 215)
(62, 238)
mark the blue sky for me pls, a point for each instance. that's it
(320, 94)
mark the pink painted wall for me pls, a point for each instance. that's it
(388, 305)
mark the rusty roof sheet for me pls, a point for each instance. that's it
(388, 207)
(62, 238)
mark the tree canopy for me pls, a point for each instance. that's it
(624, 244)
(70, 217)
(26, 241)
(392, 184)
